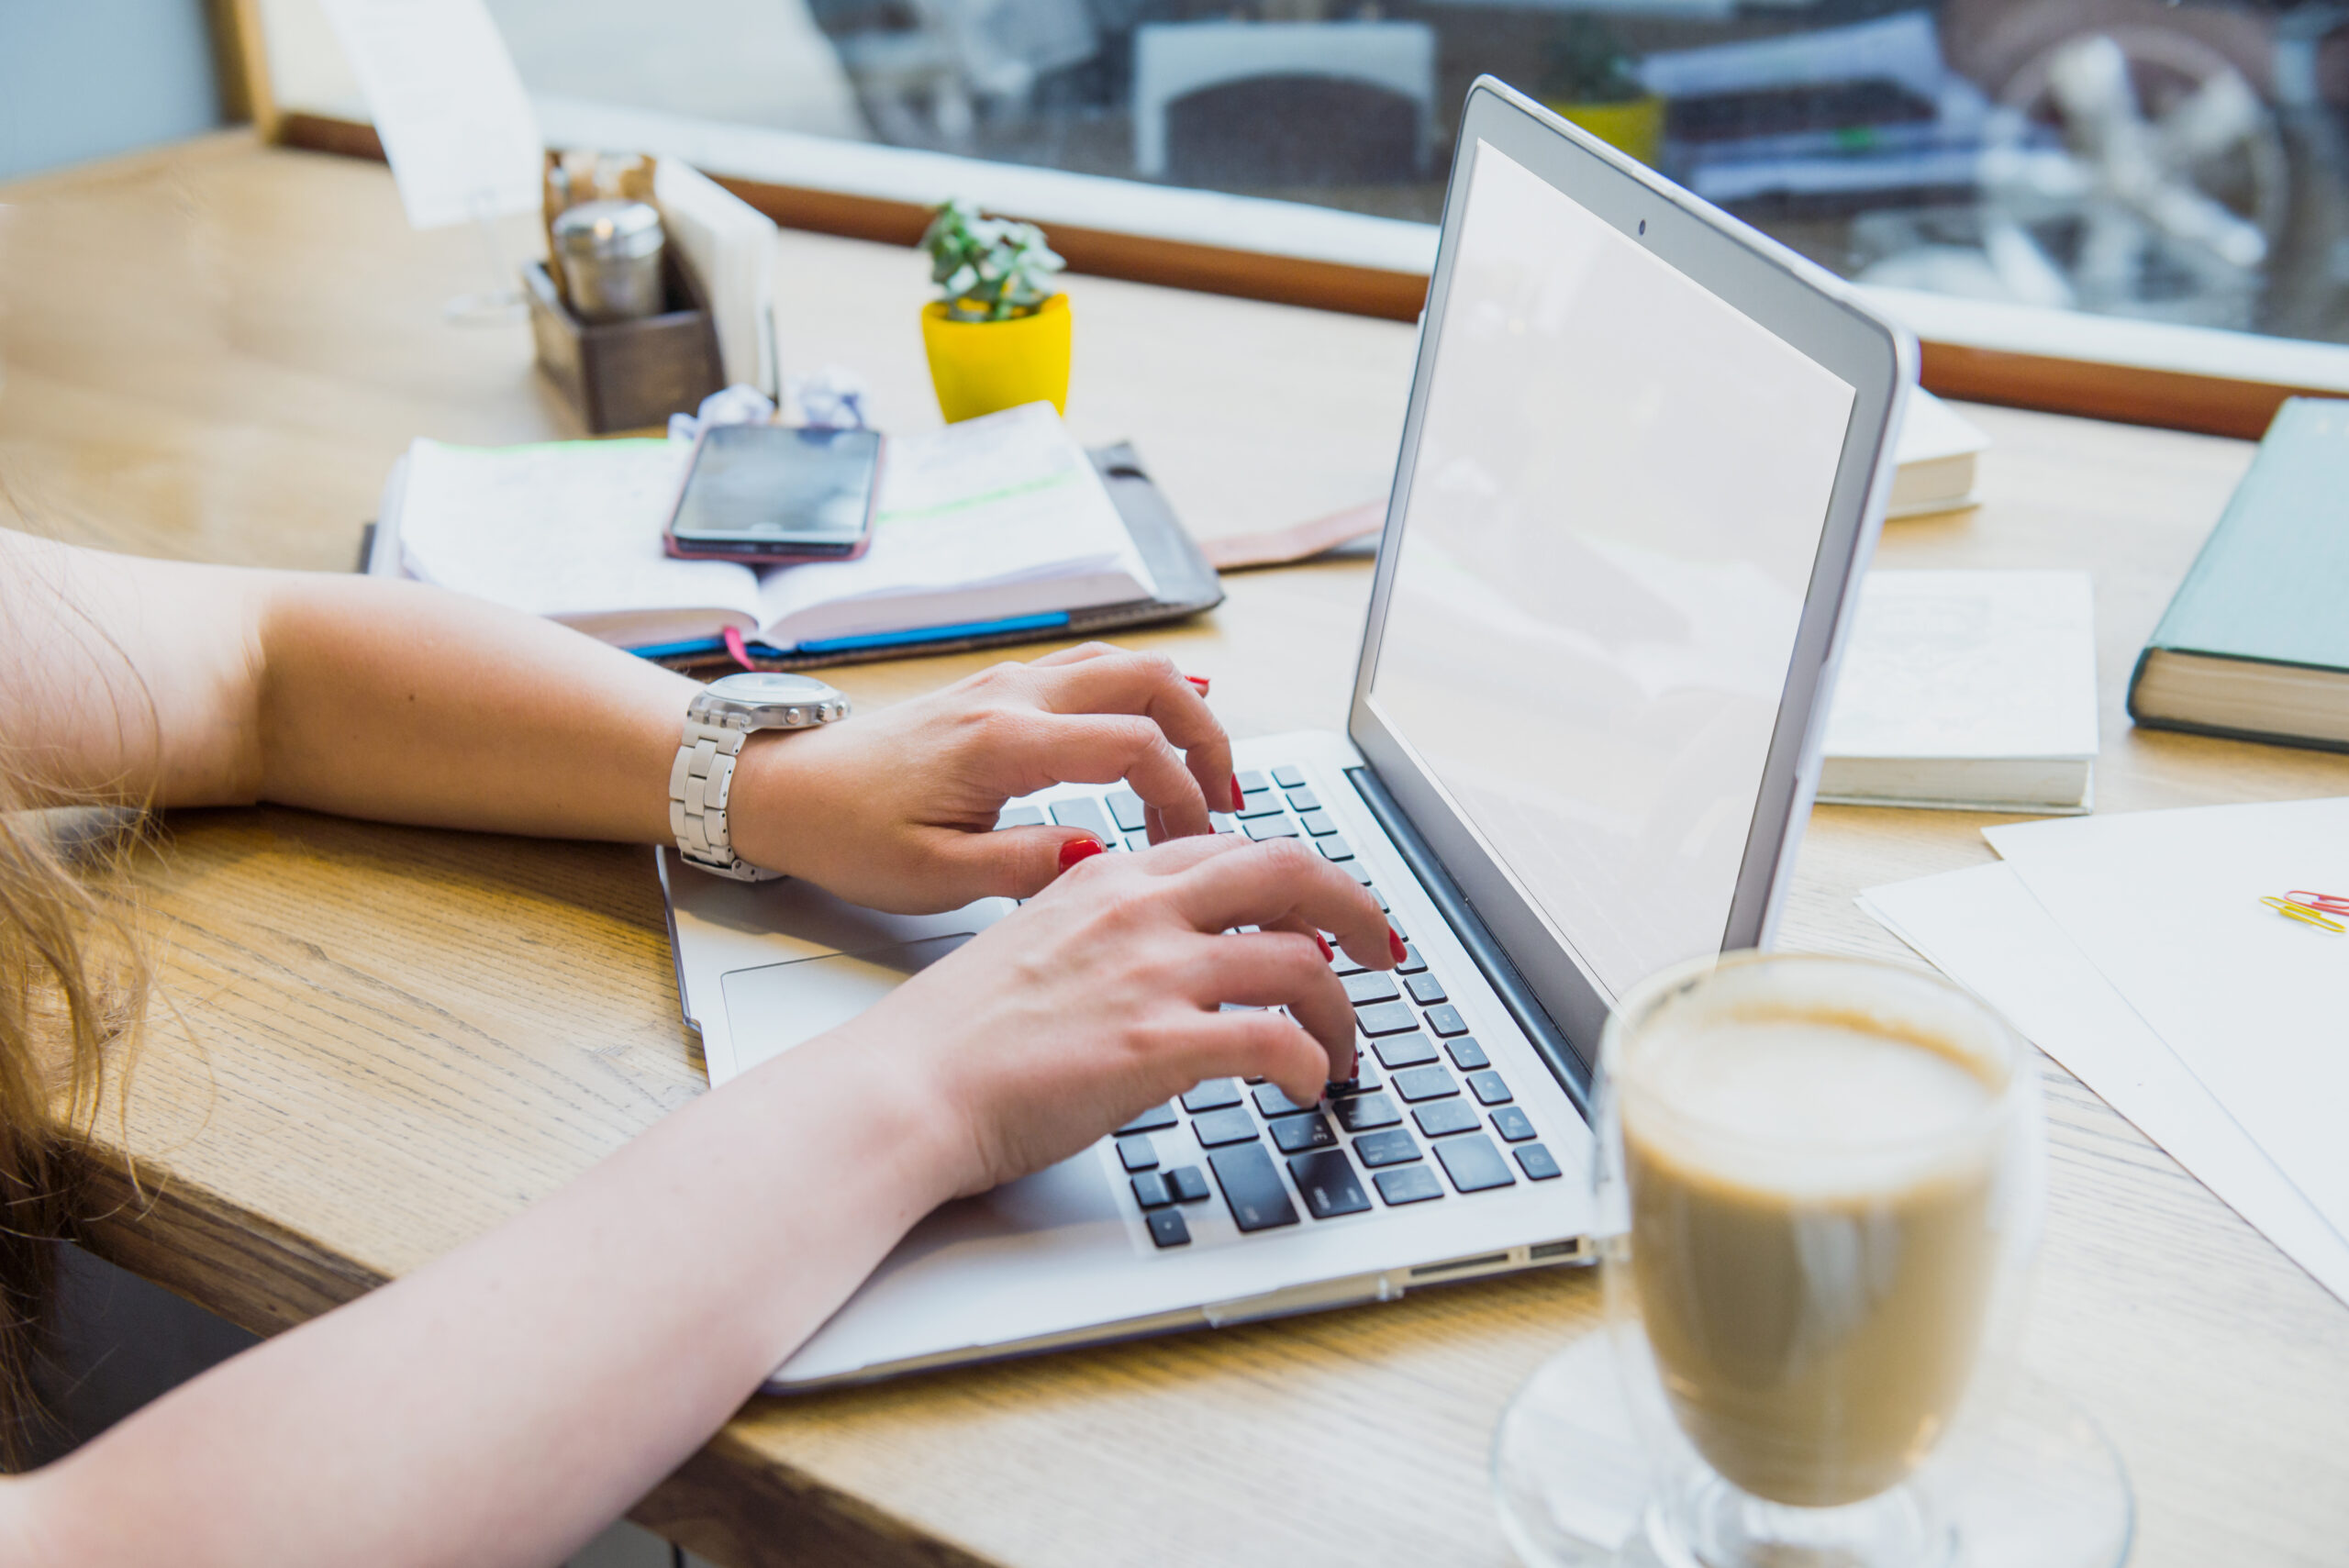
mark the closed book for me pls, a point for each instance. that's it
(2255, 646)
(1965, 690)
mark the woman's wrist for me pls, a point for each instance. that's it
(775, 802)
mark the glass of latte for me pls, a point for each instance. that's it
(1819, 1183)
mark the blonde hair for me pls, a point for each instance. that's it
(74, 988)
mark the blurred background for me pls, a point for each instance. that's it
(2172, 162)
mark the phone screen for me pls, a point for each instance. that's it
(764, 486)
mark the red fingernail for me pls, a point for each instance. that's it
(1239, 801)
(1326, 954)
(1198, 681)
(1394, 943)
(1077, 849)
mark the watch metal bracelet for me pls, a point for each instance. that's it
(698, 786)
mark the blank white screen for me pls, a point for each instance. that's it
(1620, 487)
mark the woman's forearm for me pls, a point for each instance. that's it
(405, 703)
(501, 1404)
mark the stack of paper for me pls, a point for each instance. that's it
(1939, 453)
(731, 247)
(1970, 690)
(2135, 950)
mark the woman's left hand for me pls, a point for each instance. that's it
(897, 810)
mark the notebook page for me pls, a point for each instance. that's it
(570, 530)
(1006, 499)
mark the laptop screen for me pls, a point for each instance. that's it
(1619, 494)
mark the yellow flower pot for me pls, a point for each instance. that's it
(979, 367)
(1637, 127)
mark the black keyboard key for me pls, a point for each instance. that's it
(1412, 962)
(1412, 1184)
(1084, 812)
(1252, 1188)
(1425, 1083)
(1155, 1119)
(1271, 1103)
(1359, 871)
(1385, 1018)
(1512, 1124)
(1447, 1021)
(1187, 1183)
(1474, 1165)
(1334, 848)
(1392, 1147)
(1295, 1134)
(1137, 1153)
(1216, 1128)
(1370, 985)
(1362, 1082)
(1445, 1117)
(1251, 782)
(1151, 1190)
(1342, 963)
(1365, 1112)
(1538, 1167)
(1265, 804)
(1488, 1089)
(1125, 808)
(1426, 989)
(1413, 1049)
(1264, 828)
(1288, 777)
(1327, 1180)
(1467, 1054)
(1299, 797)
(1168, 1228)
(1020, 816)
(1212, 1095)
(1319, 824)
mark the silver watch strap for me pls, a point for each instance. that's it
(698, 787)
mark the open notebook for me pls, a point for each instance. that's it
(987, 532)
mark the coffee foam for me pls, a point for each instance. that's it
(1808, 1105)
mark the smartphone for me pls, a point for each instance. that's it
(776, 493)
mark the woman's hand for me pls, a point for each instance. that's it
(897, 810)
(1105, 995)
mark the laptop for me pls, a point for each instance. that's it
(1646, 454)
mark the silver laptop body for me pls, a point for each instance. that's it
(1645, 456)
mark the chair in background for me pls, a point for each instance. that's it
(1376, 63)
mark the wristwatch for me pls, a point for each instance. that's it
(722, 716)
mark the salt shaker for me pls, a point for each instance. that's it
(611, 253)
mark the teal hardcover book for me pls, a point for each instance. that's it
(2256, 644)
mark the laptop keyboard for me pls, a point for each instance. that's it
(1424, 1097)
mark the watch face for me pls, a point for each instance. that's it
(764, 686)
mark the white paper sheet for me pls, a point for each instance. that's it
(449, 105)
(2166, 904)
(1983, 929)
(570, 530)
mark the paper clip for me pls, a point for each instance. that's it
(2327, 903)
(2294, 910)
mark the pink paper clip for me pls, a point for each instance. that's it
(2292, 908)
(2326, 903)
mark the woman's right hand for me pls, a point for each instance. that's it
(1104, 996)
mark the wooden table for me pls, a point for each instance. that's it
(403, 1037)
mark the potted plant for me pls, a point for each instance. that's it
(999, 336)
(1590, 82)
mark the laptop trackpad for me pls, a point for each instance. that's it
(774, 1007)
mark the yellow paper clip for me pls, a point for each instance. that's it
(2293, 909)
